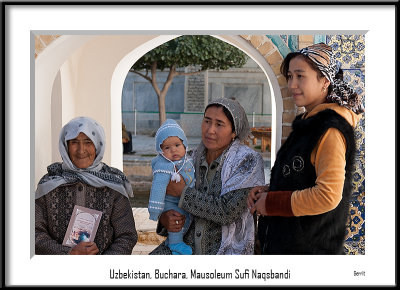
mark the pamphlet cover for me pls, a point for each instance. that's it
(82, 226)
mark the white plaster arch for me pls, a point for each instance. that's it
(47, 67)
(117, 83)
(73, 78)
(73, 56)
(276, 96)
(124, 65)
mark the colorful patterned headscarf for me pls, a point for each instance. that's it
(321, 54)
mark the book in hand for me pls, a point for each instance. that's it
(82, 226)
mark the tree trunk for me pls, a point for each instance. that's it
(161, 94)
(161, 107)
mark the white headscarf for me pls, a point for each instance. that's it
(98, 174)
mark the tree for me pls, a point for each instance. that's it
(203, 51)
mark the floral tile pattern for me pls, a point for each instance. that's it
(350, 52)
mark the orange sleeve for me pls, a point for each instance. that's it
(329, 160)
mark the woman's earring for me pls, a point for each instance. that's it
(324, 90)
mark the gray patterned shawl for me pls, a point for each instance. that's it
(242, 168)
(98, 174)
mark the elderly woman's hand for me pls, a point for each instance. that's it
(252, 197)
(85, 248)
(172, 220)
(176, 188)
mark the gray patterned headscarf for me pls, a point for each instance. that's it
(241, 123)
(237, 237)
(98, 174)
(321, 54)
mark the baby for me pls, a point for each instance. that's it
(171, 144)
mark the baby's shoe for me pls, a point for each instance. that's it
(180, 249)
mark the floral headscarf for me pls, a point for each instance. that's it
(321, 54)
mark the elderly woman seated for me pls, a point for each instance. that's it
(82, 179)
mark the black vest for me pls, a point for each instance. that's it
(317, 234)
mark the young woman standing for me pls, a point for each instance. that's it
(305, 207)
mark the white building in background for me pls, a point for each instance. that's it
(188, 96)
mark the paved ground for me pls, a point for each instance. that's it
(143, 226)
(145, 150)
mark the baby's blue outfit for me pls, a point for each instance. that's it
(165, 170)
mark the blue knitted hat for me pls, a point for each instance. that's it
(169, 129)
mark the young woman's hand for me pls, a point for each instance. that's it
(259, 206)
(252, 197)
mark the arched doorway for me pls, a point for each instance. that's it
(67, 85)
(123, 67)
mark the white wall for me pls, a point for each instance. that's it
(91, 72)
(47, 66)
(85, 65)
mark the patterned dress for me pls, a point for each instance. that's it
(116, 234)
(211, 210)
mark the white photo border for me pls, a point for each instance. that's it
(379, 259)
